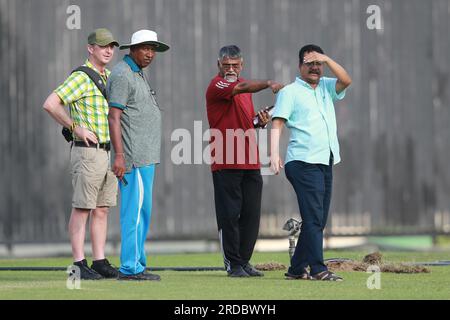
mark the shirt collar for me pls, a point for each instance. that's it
(129, 60)
(90, 65)
(305, 84)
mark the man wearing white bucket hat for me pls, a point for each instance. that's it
(135, 129)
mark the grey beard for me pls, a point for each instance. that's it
(231, 78)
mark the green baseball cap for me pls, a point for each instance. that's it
(102, 37)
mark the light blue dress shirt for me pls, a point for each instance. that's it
(311, 119)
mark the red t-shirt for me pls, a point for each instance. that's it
(237, 149)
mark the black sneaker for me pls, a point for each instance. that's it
(238, 272)
(252, 271)
(87, 273)
(151, 276)
(104, 268)
(143, 276)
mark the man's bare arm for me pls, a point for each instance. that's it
(55, 107)
(343, 78)
(251, 86)
(115, 132)
(275, 160)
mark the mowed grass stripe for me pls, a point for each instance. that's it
(215, 285)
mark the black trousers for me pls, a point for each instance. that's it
(237, 196)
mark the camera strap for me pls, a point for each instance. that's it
(95, 77)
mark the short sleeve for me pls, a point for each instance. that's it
(72, 88)
(284, 105)
(330, 85)
(221, 89)
(118, 89)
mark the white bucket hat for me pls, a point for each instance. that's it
(147, 37)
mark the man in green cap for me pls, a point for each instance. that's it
(95, 186)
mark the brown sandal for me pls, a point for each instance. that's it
(303, 276)
(327, 276)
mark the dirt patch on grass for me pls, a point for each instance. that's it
(404, 268)
(270, 266)
(336, 265)
(374, 259)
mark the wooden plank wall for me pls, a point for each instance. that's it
(393, 124)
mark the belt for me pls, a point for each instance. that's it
(105, 146)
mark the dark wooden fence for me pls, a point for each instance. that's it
(393, 125)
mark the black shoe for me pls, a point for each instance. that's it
(139, 277)
(151, 276)
(104, 268)
(251, 270)
(87, 273)
(238, 272)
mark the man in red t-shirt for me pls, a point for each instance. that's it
(235, 162)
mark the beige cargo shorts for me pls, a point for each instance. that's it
(94, 184)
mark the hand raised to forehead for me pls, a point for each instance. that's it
(315, 56)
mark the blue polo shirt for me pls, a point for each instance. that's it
(311, 118)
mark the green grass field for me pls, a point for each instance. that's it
(215, 285)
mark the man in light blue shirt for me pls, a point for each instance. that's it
(306, 107)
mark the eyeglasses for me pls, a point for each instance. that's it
(314, 63)
(227, 66)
